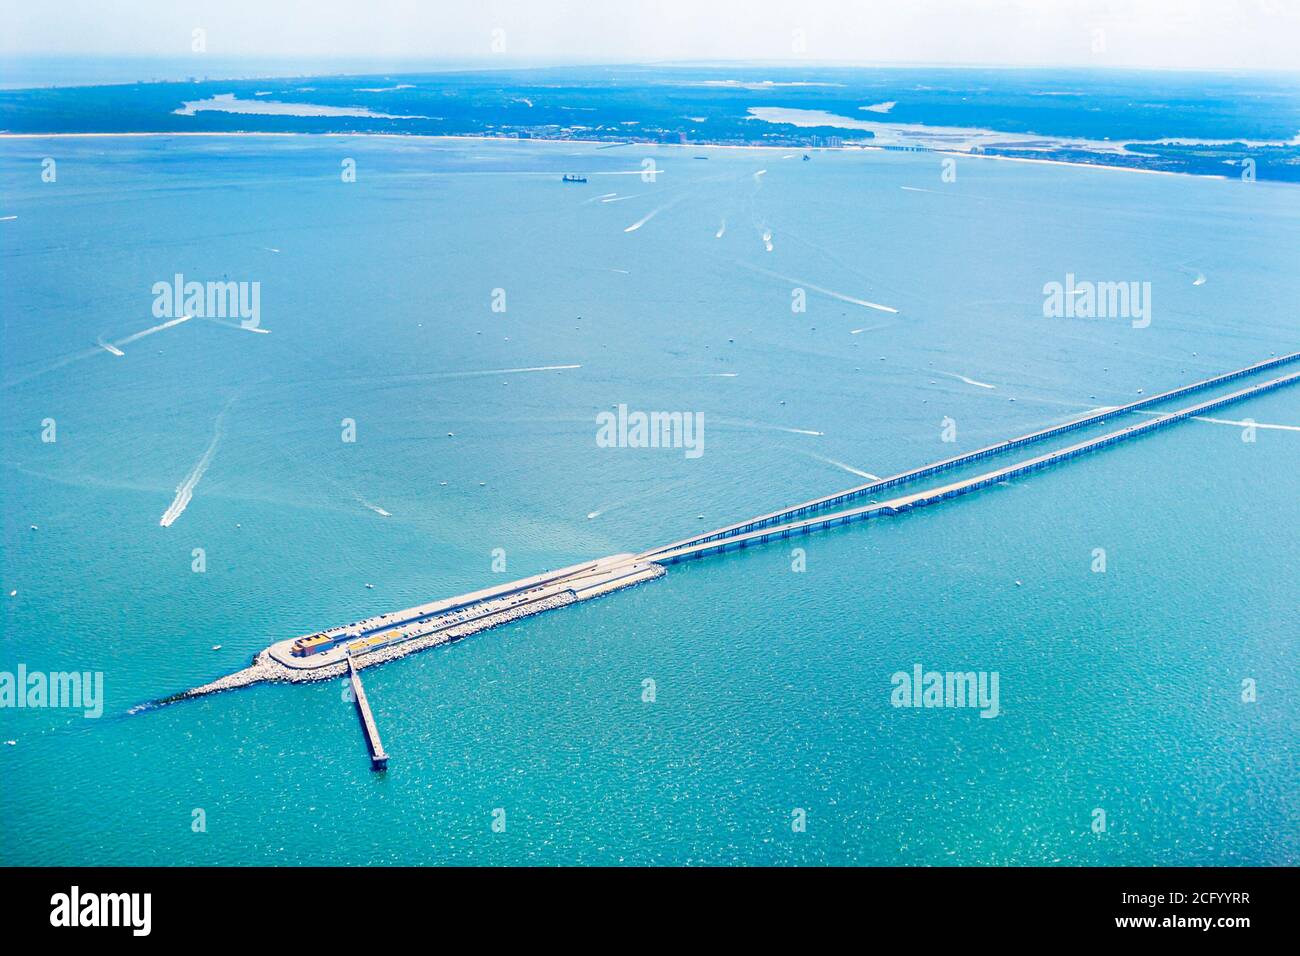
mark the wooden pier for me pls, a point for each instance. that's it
(378, 756)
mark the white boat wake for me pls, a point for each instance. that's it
(185, 490)
(849, 468)
(646, 218)
(241, 326)
(1234, 423)
(1244, 424)
(654, 212)
(113, 348)
(824, 291)
(510, 371)
(648, 493)
(968, 381)
(154, 329)
(373, 507)
(764, 426)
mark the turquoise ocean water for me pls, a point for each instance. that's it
(1119, 691)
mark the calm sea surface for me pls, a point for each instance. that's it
(1119, 691)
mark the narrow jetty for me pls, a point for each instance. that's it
(378, 756)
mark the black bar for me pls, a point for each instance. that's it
(304, 905)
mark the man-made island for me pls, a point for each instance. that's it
(344, 649)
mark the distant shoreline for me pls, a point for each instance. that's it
(598, 142)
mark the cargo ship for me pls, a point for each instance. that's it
(569, 178)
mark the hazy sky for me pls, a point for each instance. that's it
(1216, 34)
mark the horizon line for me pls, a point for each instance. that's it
(306, 66)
